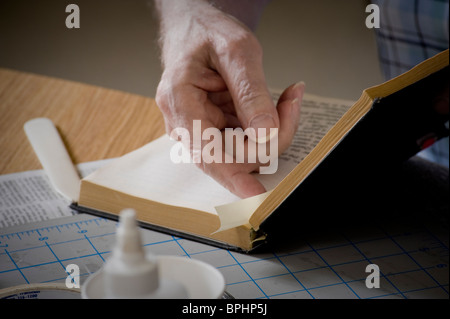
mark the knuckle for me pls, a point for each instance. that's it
(162, 102)
(245, 40)
(165, 97)
(247, 93)
(168, 126)
(242, 41)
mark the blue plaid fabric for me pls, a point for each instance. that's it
(412, 31)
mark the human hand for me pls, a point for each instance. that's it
(213, 72)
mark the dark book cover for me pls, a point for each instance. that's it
(358, 181)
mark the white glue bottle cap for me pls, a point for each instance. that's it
(129, 273)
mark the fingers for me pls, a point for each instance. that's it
(181, 103)
(292, 92)
(237, 178)
(288, 108)
(240, 65)
(245, 185)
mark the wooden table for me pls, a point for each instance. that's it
(95, 123)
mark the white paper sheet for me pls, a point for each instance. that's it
(29, 196)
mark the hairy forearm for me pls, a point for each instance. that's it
(246, 11)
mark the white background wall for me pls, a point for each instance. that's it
(323, 42)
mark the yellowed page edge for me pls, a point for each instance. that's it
(238, 213)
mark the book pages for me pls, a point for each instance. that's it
(318, 115)
(149, 172)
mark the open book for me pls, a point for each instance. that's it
(335, 140)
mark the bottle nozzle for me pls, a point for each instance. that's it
(128, 219)
(128, 239)
(128, 273)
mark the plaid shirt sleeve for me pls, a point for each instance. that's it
(412, 31)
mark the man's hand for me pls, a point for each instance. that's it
(213, 72)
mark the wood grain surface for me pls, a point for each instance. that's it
(95, 123)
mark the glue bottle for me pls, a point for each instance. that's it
(129, 273)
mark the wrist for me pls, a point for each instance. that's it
(248, 12)
(176, 21)
(171, 12)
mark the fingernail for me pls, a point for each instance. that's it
(264, 121)
(301, 83)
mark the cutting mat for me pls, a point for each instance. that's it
(413, 260)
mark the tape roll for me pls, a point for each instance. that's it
(40, 291)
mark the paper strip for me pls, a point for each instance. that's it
(238, 213)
